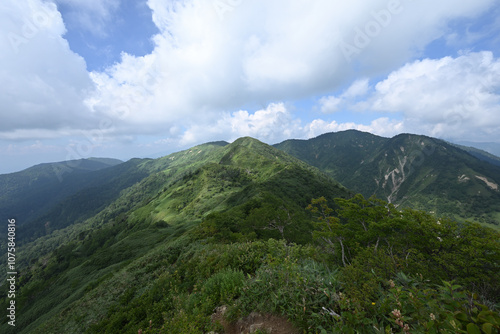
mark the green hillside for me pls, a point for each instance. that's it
(185, 188)
(481, 154)
(32, 191)
(105, 193)
(243, 237)
(408, 170)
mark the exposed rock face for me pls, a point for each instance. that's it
(492, 185)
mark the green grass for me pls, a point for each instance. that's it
(201, 232)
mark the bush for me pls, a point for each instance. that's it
(221, 288)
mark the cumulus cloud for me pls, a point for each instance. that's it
(383, 126)
(215, 56)
(447, 97)
(276, 123)
(211, 58)
(331, 104)
(272, 124)
(43, 82)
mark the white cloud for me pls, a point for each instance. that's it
(275, 124)
(272, 124)
(330, 104)
(206, 61)
(43, 82)
(448, 97)
(347, 99)
(207, 64)
(381, 126)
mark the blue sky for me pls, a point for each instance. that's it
(127, 28)
(124, 79)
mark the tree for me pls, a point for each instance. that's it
(328, 228)
(415, 241)
(272, 214)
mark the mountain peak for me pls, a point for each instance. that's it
(247, 141)
(408, 169)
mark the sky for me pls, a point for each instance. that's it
(124, 78)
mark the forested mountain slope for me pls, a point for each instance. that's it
(246, 184)
(26, 194)
(239, 237)
(409, 170)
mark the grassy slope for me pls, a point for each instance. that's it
(112, 192)
(100, 254)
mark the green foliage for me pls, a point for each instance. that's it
(220, 289)
(288, 286)
(408, 170)
(224, 227)
(263, 217)
(409, 240)
(416, 307)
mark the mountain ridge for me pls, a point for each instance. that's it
(204, 183)
(407, 169)
(28, 193)
(158, 240)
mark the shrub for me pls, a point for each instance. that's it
(221, 288)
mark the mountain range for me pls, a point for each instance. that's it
(491, 148)
(95, 235)
(408, 170)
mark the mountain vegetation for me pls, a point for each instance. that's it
(491, 148)
(244, 237)
(31, 192)
(481, 154)
(408, 171)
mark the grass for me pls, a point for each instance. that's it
(194, 235)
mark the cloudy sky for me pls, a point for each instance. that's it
(135, 78)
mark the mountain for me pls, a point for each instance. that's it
(227, 238)
(492, 148)
(407, 170)
(246, 179)
(481, 154)
(26, 194)
(62, 199)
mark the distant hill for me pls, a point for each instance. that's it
(79, 197)
(480, 154)
(409, 170)
(490, 147)
(26, 194)
(165, 245)
(238, 188)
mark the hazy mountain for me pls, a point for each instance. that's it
(410, 170)
(161, 245)
(492, 148)
(26, 194)
(76, 198)
(181, 190)
(481, 154)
